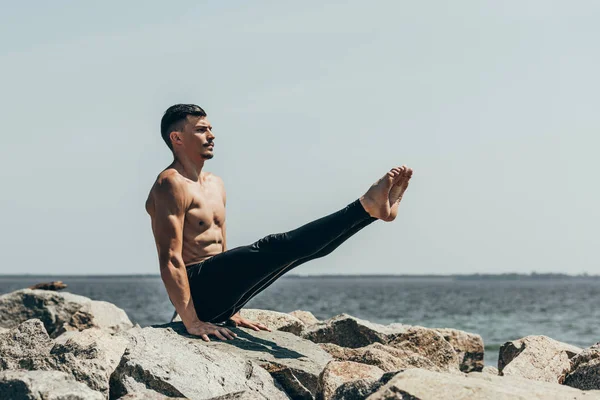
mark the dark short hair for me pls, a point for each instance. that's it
(174, 118)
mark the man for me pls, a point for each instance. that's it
(209, 284)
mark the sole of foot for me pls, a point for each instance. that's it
(383, 197)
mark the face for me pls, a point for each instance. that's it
(195, 138)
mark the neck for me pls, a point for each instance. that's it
(189, 166)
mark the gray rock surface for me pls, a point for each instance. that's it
(336, 373)
(384, 357)
(306, 317)
(490, 371)
(538, 358)
(91, 356)
(294, 362)
(418, 384)
(60, 312)
(149, 395)
(27, 346)
(585, 369)
(348, 331)
(159, 359)
(44, 385)
(274, 320)
(429, 344)
(468, 347)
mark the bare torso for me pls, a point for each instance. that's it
(204, 218)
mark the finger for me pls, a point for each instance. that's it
(263, 327)
(228, 333)
(218, 334)
(232, 333)
(205, 338)
(253, 326)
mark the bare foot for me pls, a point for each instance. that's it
(397, 191)
(383, 197)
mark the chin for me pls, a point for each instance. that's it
(208, 156)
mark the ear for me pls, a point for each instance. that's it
(175, 137)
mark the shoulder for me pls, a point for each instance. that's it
(169, 185)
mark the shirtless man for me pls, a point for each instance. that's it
(209, 284)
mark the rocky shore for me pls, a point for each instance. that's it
(61, 346)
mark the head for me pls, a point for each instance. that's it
(185, 129)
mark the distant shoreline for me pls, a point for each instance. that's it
(457, 277)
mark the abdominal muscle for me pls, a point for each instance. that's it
(202, 247)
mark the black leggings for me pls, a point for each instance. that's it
(221, 285)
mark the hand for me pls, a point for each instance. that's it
(245, 323)
(203, 329)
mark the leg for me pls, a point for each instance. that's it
(220, 282)
(269, 279)
(399, 185)
(217, 296)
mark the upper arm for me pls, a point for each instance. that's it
(167, 219)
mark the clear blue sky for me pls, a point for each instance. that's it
(494, 105)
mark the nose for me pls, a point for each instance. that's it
(210, 134)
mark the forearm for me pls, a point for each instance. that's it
(176, 282)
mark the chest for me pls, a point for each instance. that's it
(206, 208)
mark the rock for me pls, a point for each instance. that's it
(60, 312)
(149, 395)
(245, 395)
(26, 346)
(428, 385)
(274, 320)
(490, 371)
(160, 360)
(348, 331)
(44, 385)
(384, 357)
(429, 344)
(336, 373)
(538, 358)
(361, 388)
(585, 369)
(294, 362)
(305, 316)
(54, 285)
(468, 346)
(91, 356)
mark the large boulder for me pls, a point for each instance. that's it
(384, 357)
(305, 316)
(158, 359)
(274, 320)
(585, 369)
(538, 358)
(361, 388)
(27, 346)
(348, 331)
(429, 344)
(294, 362)
(91, 356)
(44, 385)
(468, 346)
(428, 385)
(60, 312)
(336, 373)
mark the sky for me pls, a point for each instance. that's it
(493, 104)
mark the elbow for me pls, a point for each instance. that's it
(171, 261)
